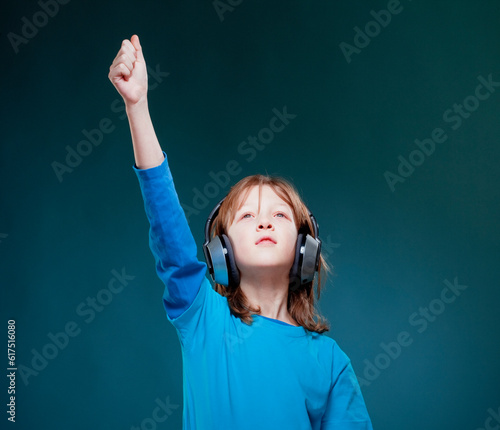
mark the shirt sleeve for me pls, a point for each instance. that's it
(346, 407)
(170, 239)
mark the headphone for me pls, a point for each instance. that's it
(221, 264)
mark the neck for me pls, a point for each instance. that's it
(269, 293)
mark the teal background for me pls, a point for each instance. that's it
(391, 251)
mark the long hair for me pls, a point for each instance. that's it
(301, 301)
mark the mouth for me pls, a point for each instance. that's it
(265, 239)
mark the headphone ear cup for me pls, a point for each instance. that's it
(310, 258)
(232, 269)
(295, 275)
(216, 260)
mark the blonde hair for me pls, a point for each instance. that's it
(301, 301)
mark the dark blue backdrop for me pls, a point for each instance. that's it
(392, 139)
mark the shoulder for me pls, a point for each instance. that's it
(322, 339)
(330, 350)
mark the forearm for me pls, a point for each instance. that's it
(147, 149)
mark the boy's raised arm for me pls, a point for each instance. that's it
(171, 240)
(128, 73)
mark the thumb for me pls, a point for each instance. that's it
(138, 48)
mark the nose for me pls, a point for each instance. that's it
(265, 226)
(264, 223)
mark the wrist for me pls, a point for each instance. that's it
(141, 106)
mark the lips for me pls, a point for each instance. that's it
(265, 239)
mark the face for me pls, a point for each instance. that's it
(274, 220)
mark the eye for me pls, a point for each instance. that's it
(281, 213)
(244, 216)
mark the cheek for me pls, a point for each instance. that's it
(238, 241)
(292, 244)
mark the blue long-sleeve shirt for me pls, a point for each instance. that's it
(270, 375)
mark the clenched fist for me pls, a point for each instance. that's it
(128, 72)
